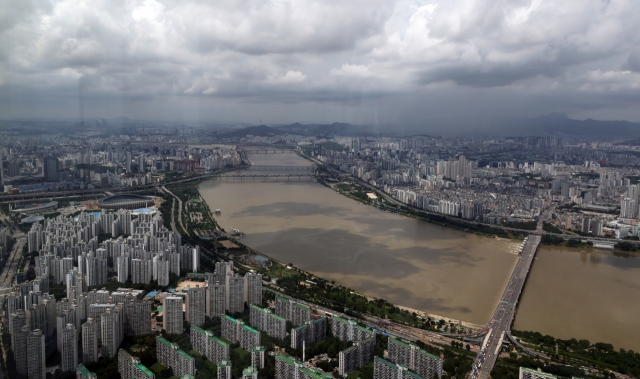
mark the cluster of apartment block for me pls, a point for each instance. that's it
(289, 368)
(170, 355)
(414, 358)
(361, 352)
(225, 291)
(292, 311)
(109, 317)
(228, 291)
(69, 251)
(383, 369)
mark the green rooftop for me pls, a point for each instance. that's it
(301, 306)
(283, 299)
(249, 371)
(218, 341)
(198, 329)
(184, 355)
(277, 317)
(225, 363)
(144, 369)
(426, 354)
(315, 374)
(399, 342)
(287, 359)
(538, 373)
(250, 329)
(230, 318)
(164, 341)
(85, 372)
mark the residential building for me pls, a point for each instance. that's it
(414, 358)
(383, 369)
(172, 315)
(527, 373)
(253, 290)
(257, 356)
(224, 369)
(195, 305)
(83, 373)
(216, 298)
(69, 353)
(36, 368)
(89, 341)
(356, 356)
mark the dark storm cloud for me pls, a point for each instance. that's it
(355, 61)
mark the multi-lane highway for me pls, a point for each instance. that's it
(505, 312)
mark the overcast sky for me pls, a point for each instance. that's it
(360, 61)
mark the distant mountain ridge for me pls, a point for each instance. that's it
(560, 123)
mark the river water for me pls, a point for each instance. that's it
(407, 262)
(425, 266)
(585, 294)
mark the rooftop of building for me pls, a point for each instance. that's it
(144, 369)
(249, 371)
(250, 329)
(184, 355)
(258, 348)
(164, 341)
(276, 317)
(315, 374)
(538, 373)
(198, 329)
(85, 372)
(287, 359)
(224, 363)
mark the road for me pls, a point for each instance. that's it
(179, 211)
(505, 312)
(11, 267)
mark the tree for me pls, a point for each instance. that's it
(468, 347)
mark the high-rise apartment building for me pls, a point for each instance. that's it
(298, 314)
(19, 346)
(170, 355)
(137, 317)
(290, 368)
(356, 356)
(163, 272)
(257, 356)
(383, 369)
(112, 330)
(172, 315)
(414, 358)
(205, 343)
(349, 330)
(253, 288)
(89, 341)
(250, 373)
(141, 270)
(527, 373)
(312, 331)
(263, 319)
(69, 354)
(195, 305)
(224, 369)
(235, 293)
(36, 368)
(236, 331)
(216, 298)
(130, 367)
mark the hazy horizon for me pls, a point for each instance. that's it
(381, 63)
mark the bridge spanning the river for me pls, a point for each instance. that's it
(500, 326)
(282, 168)
(267, 177)
(268, 151)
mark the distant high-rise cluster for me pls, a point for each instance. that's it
(227, 291)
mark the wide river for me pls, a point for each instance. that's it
(417, 264)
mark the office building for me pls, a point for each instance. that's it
(90, 341)
(36, 368)
(195, 305)
(383, 369)
(172, 315)
(51, 169)
(414, 358)
(69, 354)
